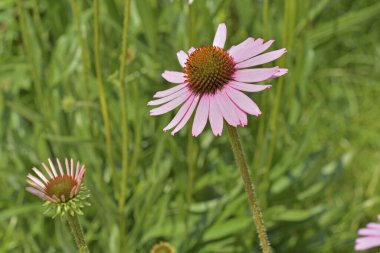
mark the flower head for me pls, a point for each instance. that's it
(212, 82)
(64, 191)
(370, 236)
(162, 247)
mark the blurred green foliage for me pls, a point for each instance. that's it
(314, 152)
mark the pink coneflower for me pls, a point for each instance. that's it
(370, 236)
(212, 81)
(54, 187)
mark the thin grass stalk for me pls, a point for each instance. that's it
(249, 188)
(279, 87)
(29, 54)
(102, 95)
(124, 124)
(261, 133)
(84, 56)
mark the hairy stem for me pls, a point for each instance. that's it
(249, 188)
(76, 230)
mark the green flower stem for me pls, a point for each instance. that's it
(249, 188)
(102, 95)
(76, 230)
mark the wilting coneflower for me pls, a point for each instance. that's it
(63, 193)
(212, 84)
(370, 236)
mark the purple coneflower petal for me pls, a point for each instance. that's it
(220, 36)
(67, 166)
(182, 58)
(280, 73)
(39, 193)
(228, 114)
(261, 59)
(60, 167)
(170, 91)
(239, 51)
(180, 114)
(216, 118)
(369, 232)
(35, 185)
(239, 115)
(53, 168)
(191, 50)
(36, 180)
(243, 101)
(168, 98)
(39, 173)
(201, 115)
(254, 75)
(47, 170)
(187, 115)
(174, 76)
(367, 243)
(170, 105)
(77, 170)
(373, 225)
(248, 87)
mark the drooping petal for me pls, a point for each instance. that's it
(240, 116)
(220, 36)
(168, 98)
(174, 76)
(239, 51)
(280, 72)
(367, 243)
(191, 50)
(227, 112)
(216, 118)
(254, 75)
(170, 105)
(248, 87)
(39, 194)
(373, 225)
(369, 232)
(53, 168)
(39, 173)
(170, 91)
(243, 101)
(35, 185)
(36, 180)
(182, 58)
(180, 114)
(201, 115)
(261, 59)
(60, 167)
(187, 116)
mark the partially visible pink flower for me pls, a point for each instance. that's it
(54, 187)
(191, 1)
(212, 84)
(370, 236)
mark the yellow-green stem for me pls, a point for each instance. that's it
(84, 56)
(124, 123)
(249, 188)
(77, 232)
(102, 94)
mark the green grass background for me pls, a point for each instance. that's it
(314, 152)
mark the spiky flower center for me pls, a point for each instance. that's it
(208, 69)
(61, 186)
